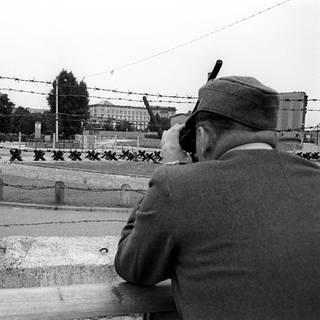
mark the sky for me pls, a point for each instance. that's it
(279, 47)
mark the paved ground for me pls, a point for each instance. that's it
(122, 167)
(66, 223)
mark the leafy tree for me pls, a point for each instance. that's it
(124, 125)
(92, 126)
(22, 121)
(6, 108)
(108, 125)
(164, 123)
(152, 125)
(72, 103)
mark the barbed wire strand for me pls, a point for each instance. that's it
(151, 101)
(97, 97)
(111, 71)
(33, 187)
(129, 92)
(7, 225)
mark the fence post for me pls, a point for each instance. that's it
(59, 192)
(1, 189)
(19, 140)
(114, 147)
(125, 195)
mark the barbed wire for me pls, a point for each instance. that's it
(190, 41)
(83, 119)
(47, 117)
(277, 130)
(33, 187)
(25, 80)
(105, 120)
(91, 117)
(298, 110)
(88, 118)
(137, 100)
(129, 92)
(97, 97)
(7, 225)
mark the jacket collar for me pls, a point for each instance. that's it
(251, 146)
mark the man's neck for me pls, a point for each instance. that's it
(240, 139)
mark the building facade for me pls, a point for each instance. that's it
(137, 116)
(291, 116)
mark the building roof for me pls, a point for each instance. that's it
(107, 103)
(37, 110)
(102, 102)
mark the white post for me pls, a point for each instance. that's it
(57, 108)
(19, 139)
(138, 144)
(115, 143)
(54, 141)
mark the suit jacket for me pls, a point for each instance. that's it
(238, 236)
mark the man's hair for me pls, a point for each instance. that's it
(217, 124)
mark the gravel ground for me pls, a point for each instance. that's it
(94, 198)
(140, 168)
(28, 190)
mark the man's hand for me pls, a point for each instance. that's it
(170, 147)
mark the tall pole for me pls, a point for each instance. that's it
(57, 109)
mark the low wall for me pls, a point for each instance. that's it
(56, 261)
(35, 272)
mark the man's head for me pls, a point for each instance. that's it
(233, 106)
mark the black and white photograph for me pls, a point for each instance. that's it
(160, 160)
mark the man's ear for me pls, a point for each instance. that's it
(204, 141)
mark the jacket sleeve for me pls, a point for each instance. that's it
(145, 250)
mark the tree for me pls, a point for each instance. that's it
(124, 125)
(108, 125)
(22, 121)
(6, 108)
(164, 123)
(152, 125)
(72, 103)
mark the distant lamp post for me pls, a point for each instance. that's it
(57, 107)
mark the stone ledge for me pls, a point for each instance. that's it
(49, 261)
(36, 271)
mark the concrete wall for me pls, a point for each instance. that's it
(55, 261)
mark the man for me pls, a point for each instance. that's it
(239, 231)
